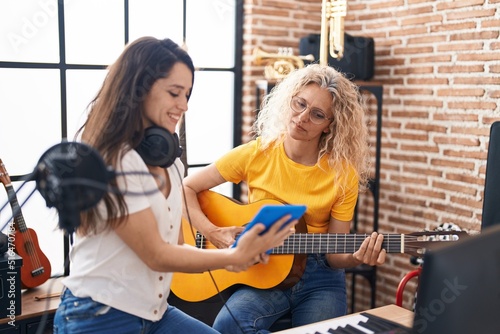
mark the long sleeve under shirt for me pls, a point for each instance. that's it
(270, 174)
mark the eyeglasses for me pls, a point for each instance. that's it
(299, 105)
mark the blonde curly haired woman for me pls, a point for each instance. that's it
(311, 147)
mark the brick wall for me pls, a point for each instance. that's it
(439, 63)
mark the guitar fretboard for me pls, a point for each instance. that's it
(343, 243)
(333, 243)
(16, 209)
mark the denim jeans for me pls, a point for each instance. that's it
(83, 315)
(319, 295)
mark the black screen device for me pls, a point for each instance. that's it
(459, 289)
(269, 214)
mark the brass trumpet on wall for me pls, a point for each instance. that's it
(279, 65)
(332, 29)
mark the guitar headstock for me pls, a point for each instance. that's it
(4, 176)
(417, 243)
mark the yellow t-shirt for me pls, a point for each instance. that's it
(270, 174)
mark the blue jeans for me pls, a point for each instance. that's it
(319, 295)
(83, 315)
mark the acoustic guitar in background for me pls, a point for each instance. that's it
(287, 262)
(36, 268)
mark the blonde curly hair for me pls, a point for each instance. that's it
(347, 140)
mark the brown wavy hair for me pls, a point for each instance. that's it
(114, 124)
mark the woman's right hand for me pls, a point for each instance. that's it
(252, 246)
(223, 237)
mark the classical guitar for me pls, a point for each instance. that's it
(36, 268)
(283, 269)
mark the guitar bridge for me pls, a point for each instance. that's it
(37, 272)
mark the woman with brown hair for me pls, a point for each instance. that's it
(127, 247)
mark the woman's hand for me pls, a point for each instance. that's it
(252, 246)
(261, 258)
(370, 252)
(223, 237)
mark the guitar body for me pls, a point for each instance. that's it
(281, 270)
(36, 268)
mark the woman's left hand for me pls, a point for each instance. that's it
(370, 252)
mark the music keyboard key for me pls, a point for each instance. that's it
(363, 323)
(351, 329)
(327, 326)
(381, 325)
(375, 327)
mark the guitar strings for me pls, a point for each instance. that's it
(329, 242)
(15, 212)
(8, 202)
(300, 243)
(26, 233)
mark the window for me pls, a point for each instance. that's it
(53, 58)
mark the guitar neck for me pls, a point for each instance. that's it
(335, 243)
(16, 209)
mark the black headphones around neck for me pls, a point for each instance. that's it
(159, 147)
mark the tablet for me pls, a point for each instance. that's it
(269, 214)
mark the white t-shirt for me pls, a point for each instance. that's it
(107, 270)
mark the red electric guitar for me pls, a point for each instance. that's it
(36, 268)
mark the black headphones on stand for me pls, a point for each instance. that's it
(159, 147)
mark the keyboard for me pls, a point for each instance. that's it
(363, 323)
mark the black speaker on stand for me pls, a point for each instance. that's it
(358, 62)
